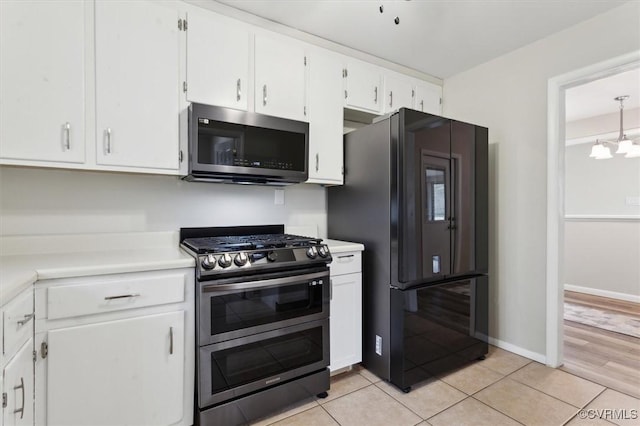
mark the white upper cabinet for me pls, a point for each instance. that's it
(217, 61)
(428, 98)
(325, 118)
(137, 84)
(42, 76)
(280, 77)
(363, 86)
(399, 92)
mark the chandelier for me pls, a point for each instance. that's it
(601, 149)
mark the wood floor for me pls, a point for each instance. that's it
(608, 358)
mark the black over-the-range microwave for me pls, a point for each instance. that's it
(227, 145)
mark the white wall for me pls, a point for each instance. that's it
(602, 258)
(48, 201)
(608, 123)
(508, 95)
(602, 245)
(600, 187)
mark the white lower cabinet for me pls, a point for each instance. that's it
(346, 310)
(16, 360)
(126, 358)
(17, 388)
(117, 372)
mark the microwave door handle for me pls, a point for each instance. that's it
(252, 285)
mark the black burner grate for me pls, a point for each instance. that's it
(248, 242)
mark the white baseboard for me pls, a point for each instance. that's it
(518, 350)
(603, 293)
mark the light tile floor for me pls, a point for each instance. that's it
(504, 389)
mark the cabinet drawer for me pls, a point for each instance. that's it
(346, 263)
(17, 322)
(116, 295)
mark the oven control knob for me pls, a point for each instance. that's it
(323, 251)
(225, 260)
(312, 252)
(241, 259)
(272, 256)
(208, 262)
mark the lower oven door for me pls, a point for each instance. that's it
(234, 368)
(242, 306)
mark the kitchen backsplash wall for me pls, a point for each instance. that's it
(49, 201)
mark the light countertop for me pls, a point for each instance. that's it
(25, 260)
(336, 246)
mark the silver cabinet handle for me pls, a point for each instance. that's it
(391, 99)
(21, 386)
(107, 147)
(238, 90)
(170, 340)
(122, 296)
(27, 318)
(330, 289)
(317, 161)
(67, 136)
(375, 90)
(264, 95)
(422, 105)
(345, 94)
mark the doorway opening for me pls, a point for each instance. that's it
(556, 136)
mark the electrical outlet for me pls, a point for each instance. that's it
(378, 345)
(279, 197)
(633, 200)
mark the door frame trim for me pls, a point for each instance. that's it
(556, 89)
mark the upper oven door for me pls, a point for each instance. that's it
(238, 307)
(227, 143)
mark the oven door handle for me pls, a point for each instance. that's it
(252, 285)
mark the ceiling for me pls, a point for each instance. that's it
(596, 98)
(437, 37)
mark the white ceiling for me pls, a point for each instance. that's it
(596, 98)
(437, 37)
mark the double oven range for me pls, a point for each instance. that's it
(262, 320)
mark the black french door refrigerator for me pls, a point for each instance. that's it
(415, 194)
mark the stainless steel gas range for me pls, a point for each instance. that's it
(262, 320)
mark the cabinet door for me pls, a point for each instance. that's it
(18, 385)
(217, 61)
(137, 84)
(42, 80)
(363, 88)
(117, 372)
(428, 98)
(399, 93)
(325, 119)
(280, 67)
(346, 321)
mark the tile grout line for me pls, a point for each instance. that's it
(558, 399)
(494, 408)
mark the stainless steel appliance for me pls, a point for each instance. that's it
(262, 331)
(415, 193)
(227, 145)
